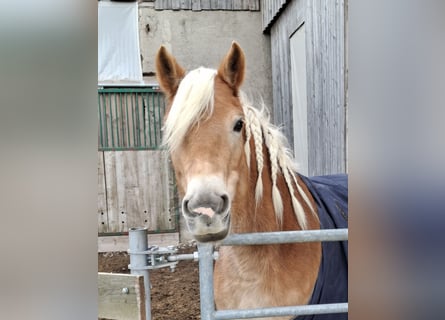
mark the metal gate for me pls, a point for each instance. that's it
(206, 257)
(139, 264)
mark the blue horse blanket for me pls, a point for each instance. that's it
(331, 196)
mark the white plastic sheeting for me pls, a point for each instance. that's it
(118, 48)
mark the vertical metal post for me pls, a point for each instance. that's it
(137, 238)
(205, 252)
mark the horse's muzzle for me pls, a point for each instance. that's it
(207, 214)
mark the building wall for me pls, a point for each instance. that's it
(202, 38)
(324, 23)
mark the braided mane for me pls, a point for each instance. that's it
(194, 99)
(265, 134)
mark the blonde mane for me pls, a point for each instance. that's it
(194, 99)
(264, 133)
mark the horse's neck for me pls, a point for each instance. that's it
(248, 216)
(277, 274)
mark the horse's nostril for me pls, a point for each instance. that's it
(225, 203)
(185, 207)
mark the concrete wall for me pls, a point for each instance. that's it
(202, 39)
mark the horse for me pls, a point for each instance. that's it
(235, 174)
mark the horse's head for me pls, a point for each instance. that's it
(204, 131)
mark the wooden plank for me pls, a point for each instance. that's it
(130, 197)
(114, 303)
(125, 179)
(139, 187)
(154, 193)
(120, 243)
(162, 185)
(102, 212)
(112, 191)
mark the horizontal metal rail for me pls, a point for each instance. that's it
(262, 238)
(127, 90)
(281, 311)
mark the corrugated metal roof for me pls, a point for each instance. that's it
(271, 11)
(202, 5)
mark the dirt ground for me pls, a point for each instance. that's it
(174, 295)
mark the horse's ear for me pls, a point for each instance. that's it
(168, 72)
(231, 69)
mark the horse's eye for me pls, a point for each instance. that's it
(238, 126)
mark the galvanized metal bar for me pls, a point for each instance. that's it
(126, 90)
(129, 148)
(184, 256)
(286, 237)
(281, 311)
(205, 252)
(137, 238)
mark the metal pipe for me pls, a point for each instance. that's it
(286, 237)
(205, 251)
(281, 311)
(137, 238)
(187, 256)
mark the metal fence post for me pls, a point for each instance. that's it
(205, 252)
(137, 238)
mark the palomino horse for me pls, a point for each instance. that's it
(235, 175)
